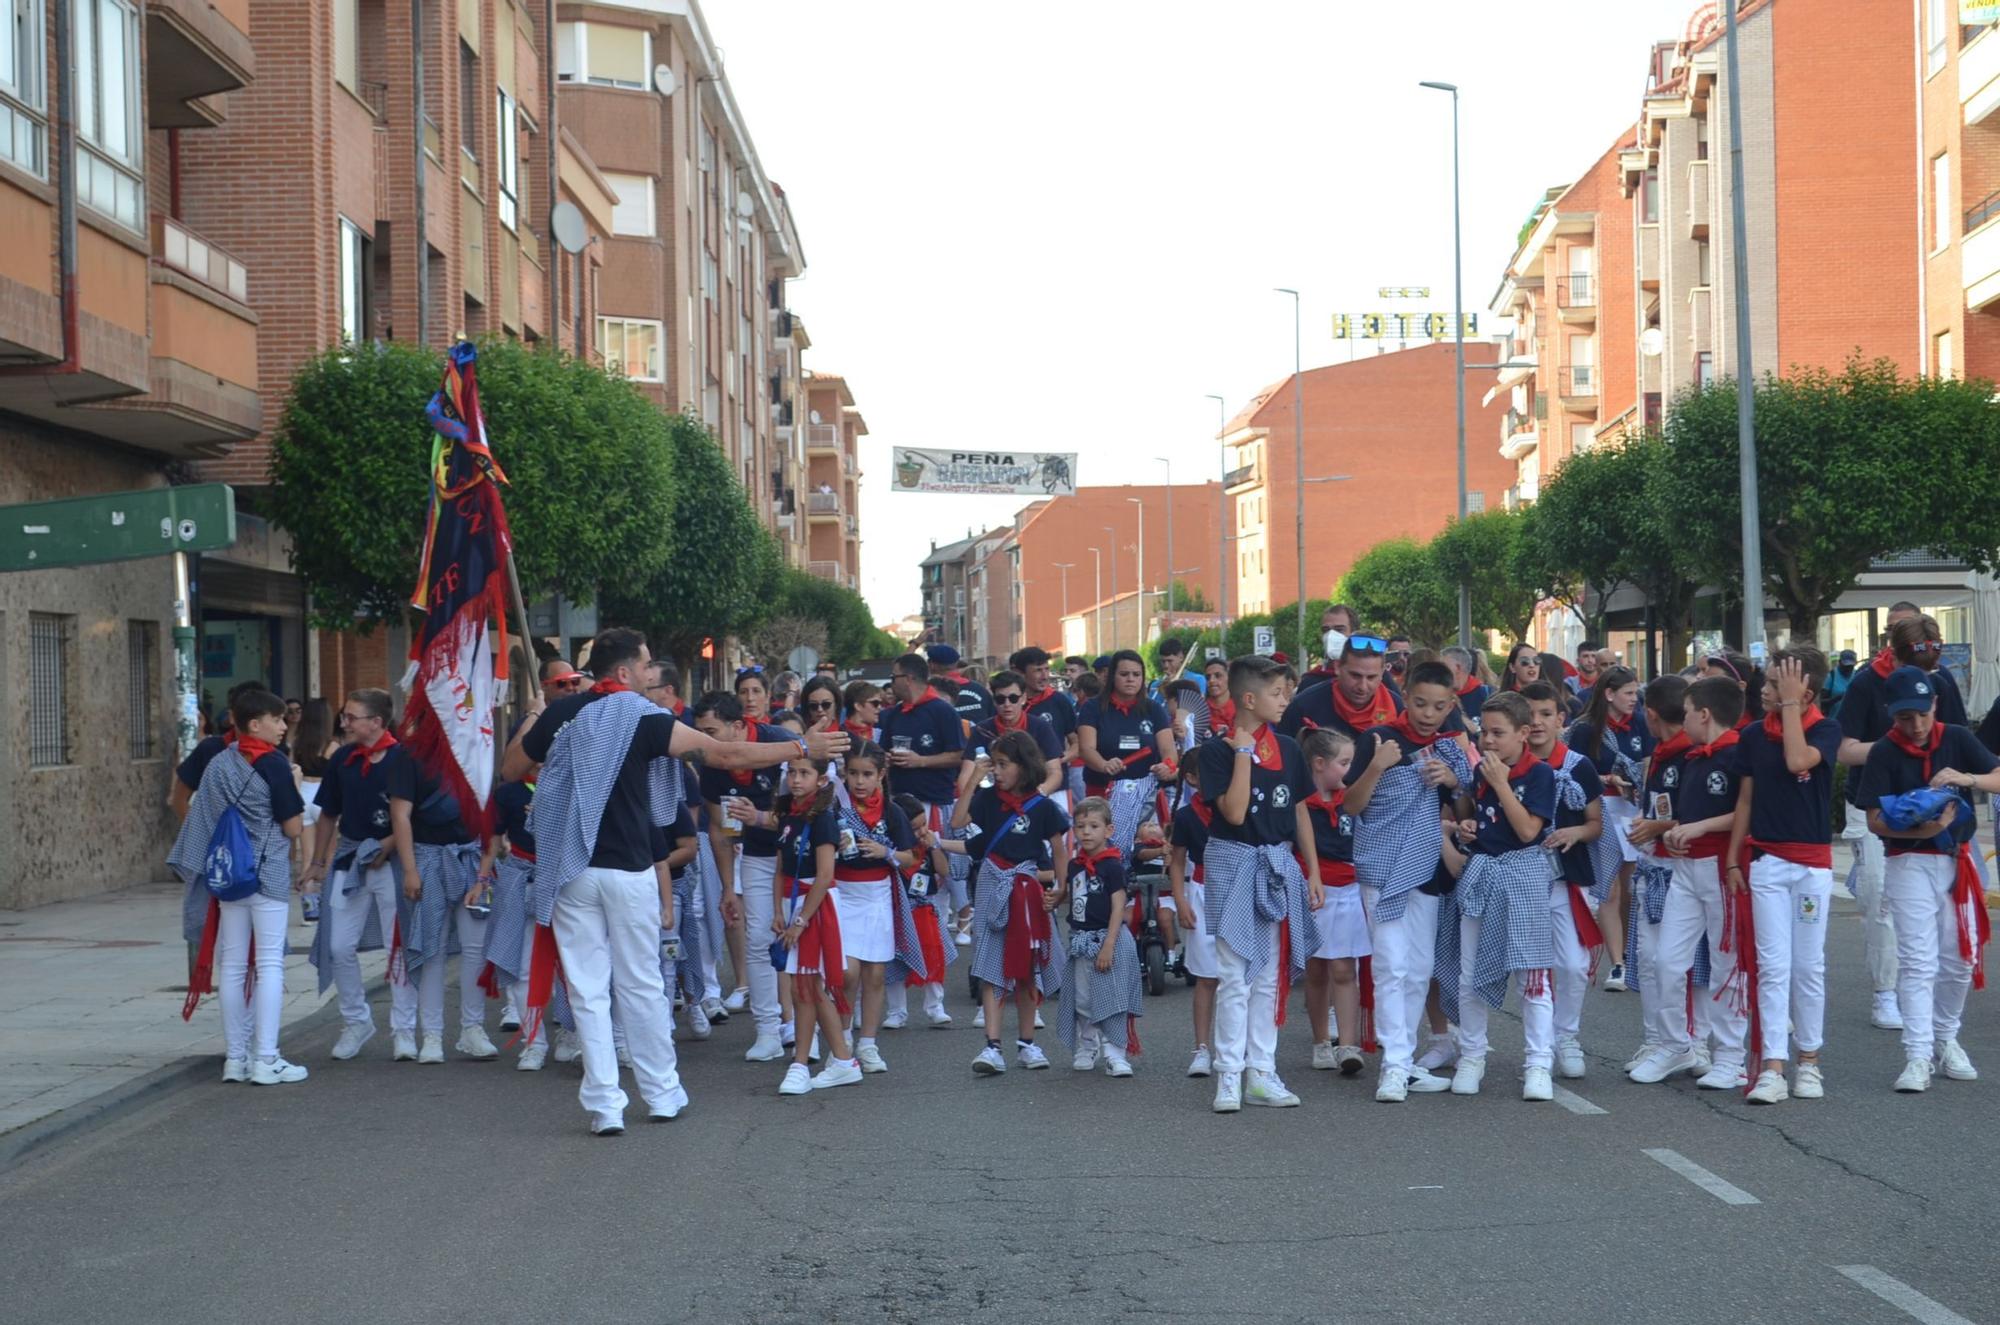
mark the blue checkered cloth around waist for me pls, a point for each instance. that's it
(507, 927)
(446, 874)
(1398, 839)
(1112, 995)
(1130, 798)
(1246, 891)
(347, 877)
(1509, 895)
(992, 891)
(575, 783)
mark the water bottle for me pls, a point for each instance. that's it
(480, 905)
(980, 753)
(309, 905)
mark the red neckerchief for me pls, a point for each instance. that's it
(1330, 803)
(1616, 723)
(229, 738)
(859, 731)
(1000, 727)
(1774, 723)
(1125, 708)
(1514, 774)
(1268, 756)
(1915, 751)
(1884, 663)
(608, 687)
(1673, 747)
(742, 777)
(1222, 714)
(870, 811)
(925, 698)
(1716, 746)
(1557, 756)
(253, 749)
(1010, 802)
(1202, 810)
(1092, 859)
(1400, 724)
(1744, 722)
(1471, 684)
(957, 678)
(366, 753)
(1035, 701)
(1377, 712)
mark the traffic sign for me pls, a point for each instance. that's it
(1264, 639)
(117, 526)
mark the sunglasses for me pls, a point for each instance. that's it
(1367, 644)
(1928, 646)
(1007, 699)
(753, 670)
(819, 706)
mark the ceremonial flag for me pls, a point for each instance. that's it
(448, 724)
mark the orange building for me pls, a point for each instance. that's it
(1381, 462)
(1960, 153)
(833, 432)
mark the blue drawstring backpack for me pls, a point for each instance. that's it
(1909, 809)
(230, 866)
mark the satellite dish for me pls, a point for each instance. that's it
(745, 204)
(1651, 341)
(663, 80)
(567, 222)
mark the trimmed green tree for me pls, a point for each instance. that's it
(1398, 586)
(1480, 552)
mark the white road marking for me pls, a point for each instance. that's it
(1901, 1296)
(1436, 1187)
(1727, 1193)
(1576, 1103)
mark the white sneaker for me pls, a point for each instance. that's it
(1203, 1062)
(510, 1022)
(1770, 1088)
(712, 1008)
(1723, 1076)
(1704, 1058)
(1348, 1059)
(1808, 1083)
(739, 998)
(403, 1047)
(938, 1018)
(1916, 1077)
(532, 1058)
(1421, 1082)
(1031, 1057)
(1660, 1064)
(1040, 1025)
(569, 1045)
(1269, 1090)
(1438, 1051)
(352, 1037)
(669, 1109)
(963, 938)
(1953, 1062)
(1393, 1087)
(798, 1080)
(840, 1072)
(989, 1063)
(1535, 1084)
(235, 1069)
(433, 1050)
(1323, 1056)
(767, 1049)
(1228, 1093)
(606, 1124)
(1885, 1015)
(1117, 1066)
(1084, 1060)
(1569, 1058)
(871, 1059)
(1646, 1049)
(699, 1026)
(1471, 1071)
(895, 1021)
(1614, 979)
(275, 1072)
(473, 1042)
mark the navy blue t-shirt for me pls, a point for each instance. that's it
(511, 804)
(895, 825)
(1709, 785)
(192, 767)
(1131, 736)
(1046, 737)
(1314, 708)
(1090, 895)
(408, 782)
(1275, 793)
(1577, 868)
(1333, 831)
(799, 841)
(1788, 806)
(276, 770)
(1473, 700)
(759, 786)
(356, 793)
(1190, 835)
(1026, 838)
(930, 728)
(1889, 772)
(1635, 743)
(1864, 710)
(1058, 708)
(1535, 788)
(625, 833)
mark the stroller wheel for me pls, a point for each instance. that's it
(1156, 969)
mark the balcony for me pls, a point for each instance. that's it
(852, 525)
(827, 570)
(848, 465)
(1979, 254)
(1700, 321)
(781, 324)
(823, 507)
(1242, 476)
(1578, 387)
(1698, 208)
(1518, 436)
(194, 50)
(1979, 76)
(822, 439)
(1576, 299)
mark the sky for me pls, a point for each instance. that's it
(1057, 226)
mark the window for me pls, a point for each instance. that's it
(507, 162)
(1475, 503)
(632, 214)
(604, 54)
(1701, 139)
(347, 44)
(1579, 438)
(1649, 196)
(357, 269)
(21, 83)
(468, 101)
(630, 346)
(1937, 29)
(1941, 207)
(142, 688)
(1704, 268)
(1941, 359)
(48, 679)
(1583, 364)
(1704, 368)
(107, 109)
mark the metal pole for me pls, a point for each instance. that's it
(417, 127)
(1142, 569)
(1746, 379)
(1225, 571)
(1458, 346)
(1299, 461)
(187, 674)
(1114, 588)
(1097, 592)
(1170, 531)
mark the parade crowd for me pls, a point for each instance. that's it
(1404, 835)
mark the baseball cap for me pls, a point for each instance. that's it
(1909, 690)
(1847, 658)
(942, 654)
(571, 675)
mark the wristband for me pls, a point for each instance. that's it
(805, 751)
(1250, 750)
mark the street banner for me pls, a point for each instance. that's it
(986, 473)
(448, 724)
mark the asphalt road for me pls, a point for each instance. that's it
(393, 1192)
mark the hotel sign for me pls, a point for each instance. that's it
(1400, 326)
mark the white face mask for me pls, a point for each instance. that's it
(1335, 643)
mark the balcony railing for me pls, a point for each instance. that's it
(847, 464)
(827, 570)
(822, 503)
(1576, 291)
(1240, 475)
(1518, 422)
(1977, 216)
(822, 436)
(176, 246)
(1581, 379)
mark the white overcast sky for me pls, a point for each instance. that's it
(1055, 226)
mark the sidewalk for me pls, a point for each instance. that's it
(90, 999)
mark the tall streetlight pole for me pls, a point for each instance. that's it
(1142, 567)
(1065, 567)
(1114, 588)
(1225, 568)
(1169, 464)
(1458, 343)
(1097, 591)
(1299, 456)
(1746, 379)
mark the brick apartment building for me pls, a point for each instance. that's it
(833, 429)
(1959, 148)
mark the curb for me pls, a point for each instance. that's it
(128, 1097)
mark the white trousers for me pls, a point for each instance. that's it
(755, 877)
(714, 939)
(607, 925)
(349, 915)
(1571, 975)
(1695, 908)
(1405, 949)
(1537, 1010)
(260, 919)
(1932, 980)
(1877, 922)
(1790, 904)
(429, 978)
(1246, 1010)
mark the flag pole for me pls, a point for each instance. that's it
(520, 605)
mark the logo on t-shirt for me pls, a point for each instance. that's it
(1670, 776)
(1718, 782)
(380, 818)
(925, 740)
(1281, 795)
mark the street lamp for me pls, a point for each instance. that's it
(1458, 343)
(1097, 591)
(1299, 455)
(1746, 381)
(1114, 587)
(1065, 567)
(1226, 570)
(1169, 464)
(1142, 565)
